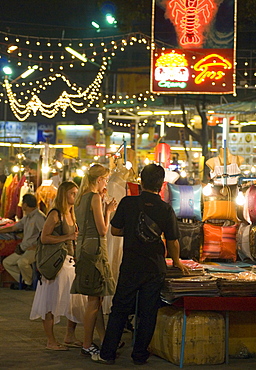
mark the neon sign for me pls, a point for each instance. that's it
(190, 18)
(190, 70)
(212, 66)
(171, 70)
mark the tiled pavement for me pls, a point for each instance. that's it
(22, 343)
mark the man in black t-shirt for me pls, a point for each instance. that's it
(143, 266)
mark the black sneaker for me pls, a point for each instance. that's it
(14, 286)
(29, 287)
(93, 350)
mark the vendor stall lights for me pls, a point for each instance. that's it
(240, 199)
(207, 190)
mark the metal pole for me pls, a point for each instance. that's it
(5, 108)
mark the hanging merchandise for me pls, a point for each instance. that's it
(243, 242)
(252, 203)
(45, 195)
(191, 239)
(220, 204)
(162, 154)
(219, 242)
(186, 201)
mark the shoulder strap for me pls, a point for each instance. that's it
(87, 212)
(141, 208)
(59, 214)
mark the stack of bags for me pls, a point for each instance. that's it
(246, 236)
(186, 203)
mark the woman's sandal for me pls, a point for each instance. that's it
(75, 344)
(57, 347)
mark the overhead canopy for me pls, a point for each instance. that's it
(236, 108)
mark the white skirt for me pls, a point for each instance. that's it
(54, 296)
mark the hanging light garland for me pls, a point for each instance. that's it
(50, 51)
(86, 96)
(65, 100)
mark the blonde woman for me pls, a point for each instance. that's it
(52, 298)
(93, 225)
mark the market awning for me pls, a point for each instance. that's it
(236, 108)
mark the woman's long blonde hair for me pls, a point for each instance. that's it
(95, 171)
(60, 202)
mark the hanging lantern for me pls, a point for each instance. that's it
(212, 120)
(163, 154)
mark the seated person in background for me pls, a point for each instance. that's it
(24, 255)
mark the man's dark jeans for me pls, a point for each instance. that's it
(149, 286)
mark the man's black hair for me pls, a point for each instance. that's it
(30, 200)
(152, 177)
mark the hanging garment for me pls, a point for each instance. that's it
(7, 183)
(45, 196)
(232, 169)
(15, 200)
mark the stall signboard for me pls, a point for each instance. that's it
(193, 48)
(46, 133)
(77, 135)
(15, 132)
(142, 140)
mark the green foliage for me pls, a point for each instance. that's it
(130, 11)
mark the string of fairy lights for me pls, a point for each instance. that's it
(64, 101)
(51, 57)
(26, 101)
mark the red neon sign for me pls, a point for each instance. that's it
(180, 71)
(190, 18)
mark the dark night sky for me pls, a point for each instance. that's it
(33, 14)
(54, 19)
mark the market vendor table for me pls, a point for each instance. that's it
(7, 247)
(226, 304)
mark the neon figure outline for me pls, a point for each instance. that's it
(190, 15)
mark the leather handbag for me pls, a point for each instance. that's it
(93, 273)
(50, 257)
(89, 274)
(220, 205)
(191, 239)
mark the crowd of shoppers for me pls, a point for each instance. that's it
(80, 217)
